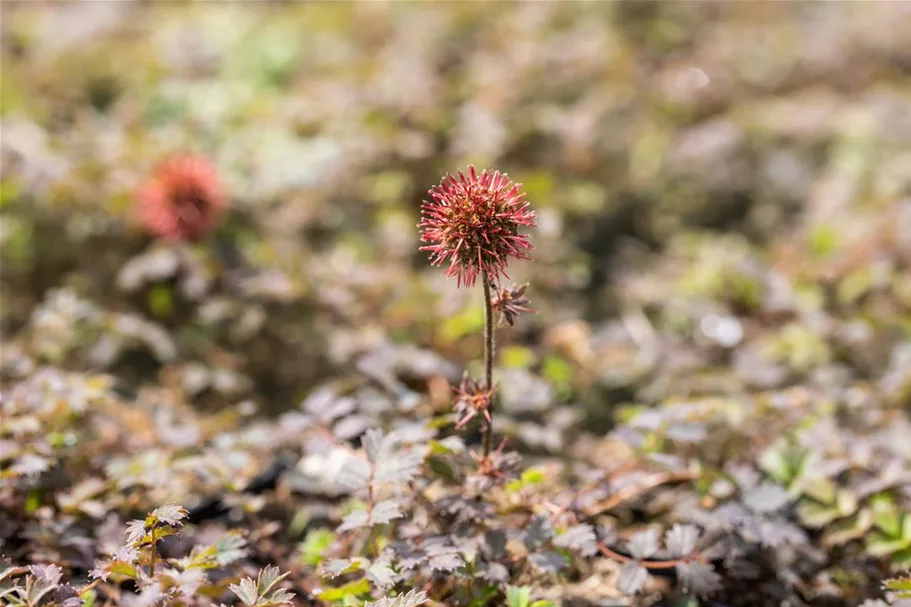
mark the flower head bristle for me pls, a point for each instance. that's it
(472, 221)
(182, 200)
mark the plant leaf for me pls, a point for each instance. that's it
(698, 578)
(644, 544)
(548, 561)
(580, 538)
(681, 540)
(412, 598)
(632, 577)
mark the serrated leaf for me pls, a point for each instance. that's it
(495, 572)
(698, 578)
(445, 562)
(766, 498)
(229, 548)
(385, 511)
(268, 577)
(354, 520)
(681, 540)
(6, 568)
(279, 596)
(45, 580)
(245, 591)
(412, 598)
(494, 544)
(47, 573)
(355, 474)
(538, 533)
(337, 567)
(580, 538)
(900, 585)
(382, 513)
(400, 467)
(263, 592)
(170, 514)
(548, 561)
(442, 555)
(135, 531)
(375, 444)
(632, 577)
(381, 575)
(644, 544)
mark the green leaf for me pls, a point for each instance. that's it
(816, 514)
(441, 467)
(230, 547)
(467, 322)
(901, 560)
(356, 588)
(854, 286)
(820, 489)
(558, 372)
(161, 301)
(531, 476)
(900, 585)
(268, 578)
(315, 545)
(880, 544)
(782, 462)
(851, 529)
(89, 598)
(121, 568)
(518, 596)
(245, 591)
(845, 502)
(823, 240)
(517, 357)
(337, 567)
(885, 515)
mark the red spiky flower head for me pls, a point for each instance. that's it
(473, 222)
(183, 198)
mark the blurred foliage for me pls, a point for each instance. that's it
(722, 277)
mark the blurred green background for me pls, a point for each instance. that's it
(686, 160)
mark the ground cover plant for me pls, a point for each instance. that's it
(229, 375)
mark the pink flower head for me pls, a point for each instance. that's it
(182, 200)
(473, 221)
